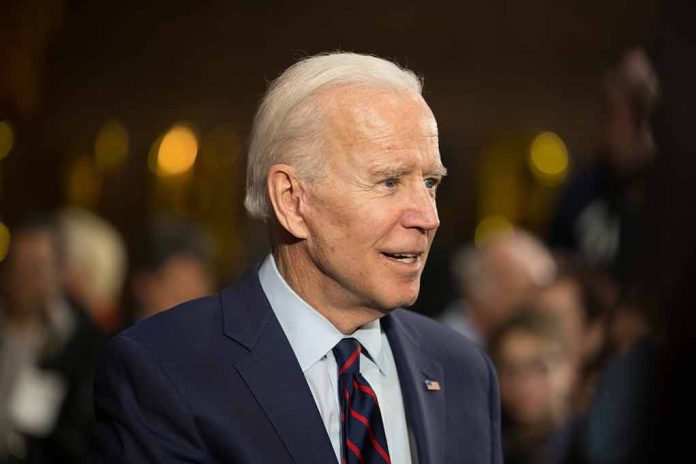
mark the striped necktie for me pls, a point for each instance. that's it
(362, 432)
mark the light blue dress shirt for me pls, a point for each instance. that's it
(312, 338)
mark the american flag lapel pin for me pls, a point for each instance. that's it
(432, 385)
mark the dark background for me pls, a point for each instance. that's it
(494, 72)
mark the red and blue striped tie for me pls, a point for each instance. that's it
(362, 432)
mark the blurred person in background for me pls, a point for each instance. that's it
(609, 350)
(602, 216)
(495, 278)
(645, 404)
(95, 265)
(563, 300)
(537, 373)
(173, 266)
(600, 213)
(616, 426)
(629, 323)
(577, 301)
(48, 351)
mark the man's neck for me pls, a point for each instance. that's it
(321, 292)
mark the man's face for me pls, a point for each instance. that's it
(371, 217)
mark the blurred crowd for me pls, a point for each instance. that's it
(66, 287)
(563, 316)
(565, 319)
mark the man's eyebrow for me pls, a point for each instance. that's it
(388, 172)
(439, 171)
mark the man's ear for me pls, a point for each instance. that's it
(286, 193)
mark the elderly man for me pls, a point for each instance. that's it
(308, 359)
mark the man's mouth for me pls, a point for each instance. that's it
(406, 258)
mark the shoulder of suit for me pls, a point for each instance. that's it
(180, 327)
(441, 341)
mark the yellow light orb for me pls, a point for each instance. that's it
(548, 158)
(4, 241)
(6, 139)
(111, 146)
(490, 226)
(177, 151)
(153, 154)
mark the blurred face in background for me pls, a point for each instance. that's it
(32, 273)
(563, 301)
(632, 91)
(511, 287)
(535, 379)
(514, 270)
(629, 135)
(179, 279)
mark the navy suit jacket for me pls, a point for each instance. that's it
(215, 381)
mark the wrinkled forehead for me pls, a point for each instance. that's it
(356, 115)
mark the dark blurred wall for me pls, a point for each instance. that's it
(672, 264)
(491, 69)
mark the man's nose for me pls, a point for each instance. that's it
(421, 210)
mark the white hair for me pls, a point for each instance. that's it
(96, 256)
(476, 274)
(288, 122)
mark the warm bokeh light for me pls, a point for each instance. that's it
(111, 146)
(548, 158)
(6, 139)
(153, 153)
(4, 241)
(83, 183)
(177, 151)
(490, 226)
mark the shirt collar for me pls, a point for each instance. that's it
(297, 318)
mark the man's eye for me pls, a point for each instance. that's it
(391, 182)
(431, 182)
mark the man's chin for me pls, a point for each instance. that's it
(403, 300)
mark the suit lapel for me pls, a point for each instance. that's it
(425, 408)
(273, 375)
